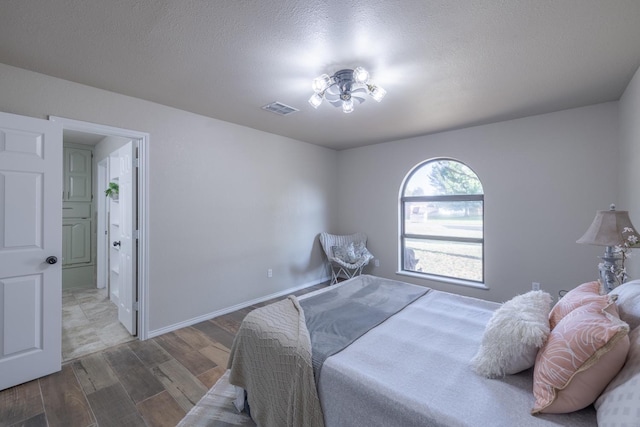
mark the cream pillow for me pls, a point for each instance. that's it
(583, 353)
(581, 295)
(619, 404)
(628, 302)
(513, 335)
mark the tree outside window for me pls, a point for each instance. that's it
(442, 227)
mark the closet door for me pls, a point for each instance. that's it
(77, 241)
(77, 171)
(78, 261)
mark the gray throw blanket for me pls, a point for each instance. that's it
(338, 317)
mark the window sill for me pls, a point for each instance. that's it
(449, 280)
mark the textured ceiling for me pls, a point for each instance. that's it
(445, 64)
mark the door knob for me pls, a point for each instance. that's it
(51, 260)
(116, 244)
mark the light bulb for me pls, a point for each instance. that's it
(321, 83)
(377, 92)
(360, 75)
(315, 100)
(347, 106)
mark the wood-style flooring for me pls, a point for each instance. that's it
(139, 383)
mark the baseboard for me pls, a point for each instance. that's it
(231, 309)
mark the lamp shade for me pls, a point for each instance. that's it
(607, 228)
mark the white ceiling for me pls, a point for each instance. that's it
(445, 64)
(79, 137)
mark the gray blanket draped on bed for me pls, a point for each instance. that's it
(340, 316)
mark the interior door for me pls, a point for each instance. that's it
(102, 265)
(76, 241)
(30, 248)
(77, 180)
(127, 313)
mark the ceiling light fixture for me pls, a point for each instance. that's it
(343, 88)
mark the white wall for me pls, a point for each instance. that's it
(226, 202)
(229, 202)
(629, 106)
(106, 146)
(544, 177)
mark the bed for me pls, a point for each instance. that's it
(411, 368)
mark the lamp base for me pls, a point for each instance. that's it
(609, 269)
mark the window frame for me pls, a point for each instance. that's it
(405, 200)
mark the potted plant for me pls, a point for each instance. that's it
(112, 190)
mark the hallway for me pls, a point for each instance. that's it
(89, 323)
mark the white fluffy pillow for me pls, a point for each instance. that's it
(513, 335)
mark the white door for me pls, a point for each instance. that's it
(102, 233)
(30, 248)
(127, 314)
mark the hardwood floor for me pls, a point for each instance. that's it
(139, 383)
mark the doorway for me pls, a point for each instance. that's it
(96, 302)
(90, 306)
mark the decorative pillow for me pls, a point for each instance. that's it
(583, 353)
(345, 253)
(619, 405)
(579, 296)
(362, 252)
(628, 302)
(513, 335)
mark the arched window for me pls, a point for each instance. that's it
(442, 221)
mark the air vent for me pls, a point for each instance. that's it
(280, 108)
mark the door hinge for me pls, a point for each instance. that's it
(137, 234)
(137, 162)
(136, 306)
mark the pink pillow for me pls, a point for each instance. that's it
(584, 352)
(579, 296)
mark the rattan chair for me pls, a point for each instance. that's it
(347, 255)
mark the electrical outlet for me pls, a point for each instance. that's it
(535, 286)
(376, 263)
(269, 273)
